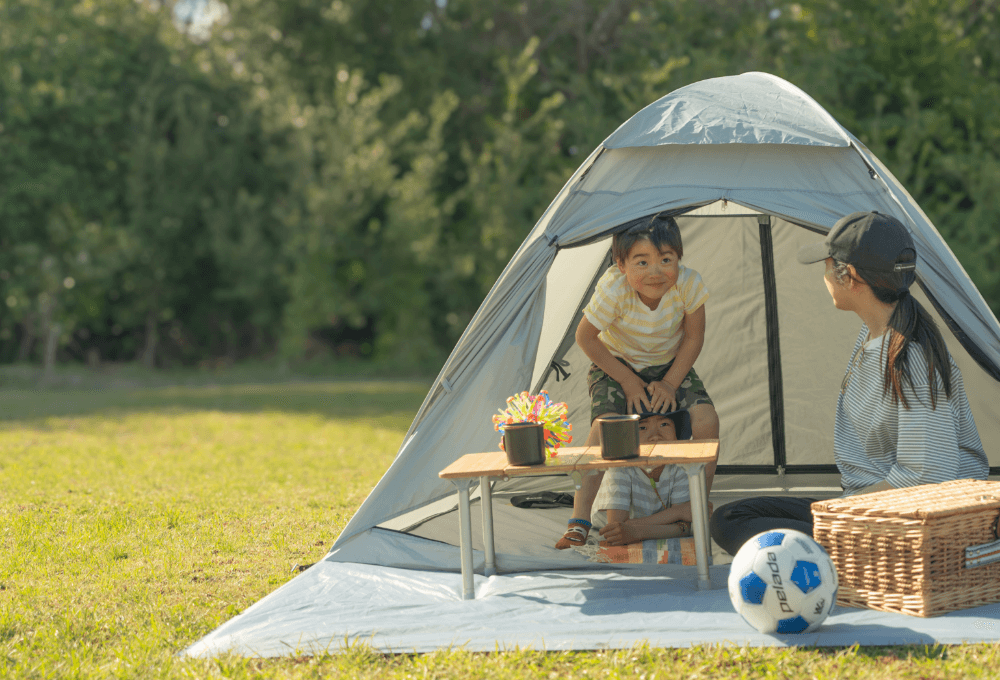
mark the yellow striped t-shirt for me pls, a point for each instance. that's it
(632, 331)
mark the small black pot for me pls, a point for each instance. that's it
(619, 437)
(524, 443)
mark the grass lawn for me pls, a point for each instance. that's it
(134, 520)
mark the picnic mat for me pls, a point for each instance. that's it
(336, 604)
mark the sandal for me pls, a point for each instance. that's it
(576, 534)
(543, 500)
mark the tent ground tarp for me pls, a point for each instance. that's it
(404, 611)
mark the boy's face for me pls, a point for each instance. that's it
(651, 273)
(656, 429)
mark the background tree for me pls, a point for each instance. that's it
(134, 183)
(201, 180)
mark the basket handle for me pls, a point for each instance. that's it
(984, 553)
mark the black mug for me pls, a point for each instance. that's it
(524, 443)
(619, 437)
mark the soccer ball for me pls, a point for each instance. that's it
(782, 581)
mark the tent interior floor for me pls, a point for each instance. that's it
(534, 531)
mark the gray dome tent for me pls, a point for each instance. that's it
(753, 168)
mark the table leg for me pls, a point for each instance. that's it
(465, 537)
(488, 545)
(703, 484)
(699, 516)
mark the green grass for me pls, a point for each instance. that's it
(134, 520)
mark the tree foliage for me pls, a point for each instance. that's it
(187, 180)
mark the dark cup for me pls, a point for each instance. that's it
(524, 443)
(619, 437)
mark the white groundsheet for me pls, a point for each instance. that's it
(334, 604)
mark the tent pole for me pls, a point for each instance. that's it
(774, 378)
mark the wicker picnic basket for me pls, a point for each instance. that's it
(923, 550)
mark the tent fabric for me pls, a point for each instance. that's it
(500, 343)
(808, 185)
(335, 605)
(753, 168)
(756, 108)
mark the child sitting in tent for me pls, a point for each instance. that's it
(633, 505)
(643, 329)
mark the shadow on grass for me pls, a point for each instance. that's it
(917, 651)
(392, 402)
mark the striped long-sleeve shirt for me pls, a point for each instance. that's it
(628, 488)
(876, 440)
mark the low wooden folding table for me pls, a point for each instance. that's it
(576, 462)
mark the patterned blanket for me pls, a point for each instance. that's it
(652, 551)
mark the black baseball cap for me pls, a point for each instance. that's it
(868, 240)
(681, 418)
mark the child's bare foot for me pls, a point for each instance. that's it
(576, 534)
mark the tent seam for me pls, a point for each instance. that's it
(819, 192)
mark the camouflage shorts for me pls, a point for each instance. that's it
(607, 396)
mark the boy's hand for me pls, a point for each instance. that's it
(619, 533)
(662, 396)
(635, 394)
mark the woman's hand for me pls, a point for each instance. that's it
(635, 394)
(662, 396)
(620, 533)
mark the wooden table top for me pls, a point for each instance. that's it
(579, 458)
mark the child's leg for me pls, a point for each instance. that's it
(606, 399)
(704, 418)
(737, 522)
(705, 425)
(583, 499)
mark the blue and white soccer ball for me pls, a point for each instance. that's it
(782, 581)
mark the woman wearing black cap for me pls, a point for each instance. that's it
(902, 416)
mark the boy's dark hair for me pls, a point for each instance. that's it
(661, 231)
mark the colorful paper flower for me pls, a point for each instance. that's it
(539, 408)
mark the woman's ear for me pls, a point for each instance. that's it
(853, 280)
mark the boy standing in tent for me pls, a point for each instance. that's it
(643, 329)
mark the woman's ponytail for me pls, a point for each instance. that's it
(913, 328)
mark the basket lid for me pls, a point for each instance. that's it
(919, 502)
